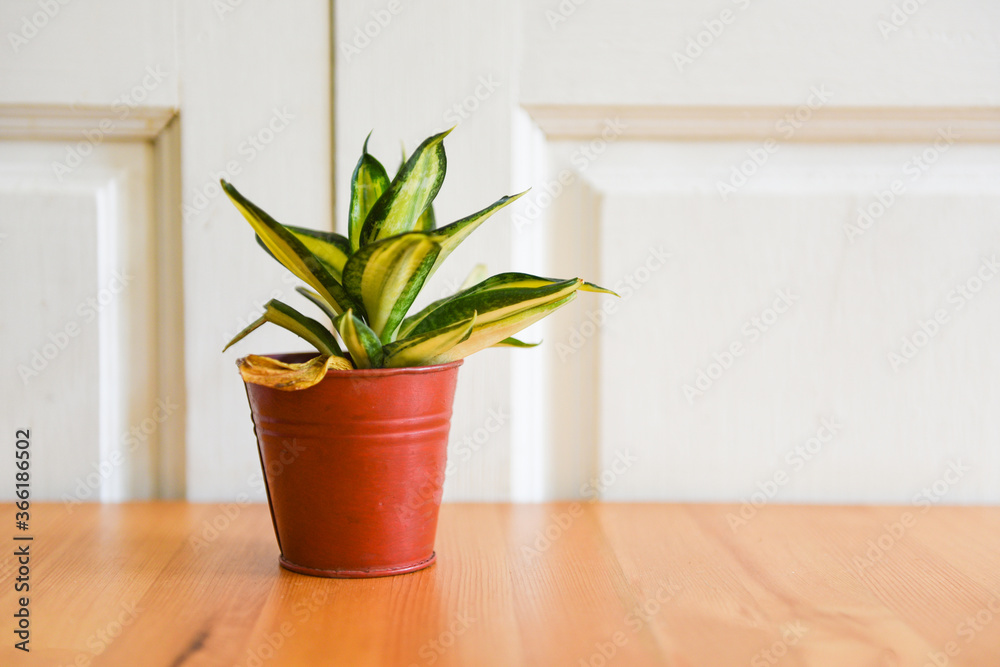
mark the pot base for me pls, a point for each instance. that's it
(357, 574)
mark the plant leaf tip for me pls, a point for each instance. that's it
(591, 287)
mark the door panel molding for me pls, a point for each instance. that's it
(66, 123)
(736, 123)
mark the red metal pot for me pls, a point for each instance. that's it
(354, 467)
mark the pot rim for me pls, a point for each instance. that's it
(363, 372)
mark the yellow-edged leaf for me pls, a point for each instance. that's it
(450, 236)
(362, 343)
(386, 276)
(492, 298)
(290, 251)
(287, 317)
(499, 330)
(409, 194)
(514, 342)
(318, 300)
(421, 350)
(368, 183)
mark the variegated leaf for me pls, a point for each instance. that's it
(368, 183)
(427, 220)
(500, 329)
(503, 288)
(410, 193)
(318, 300)
(304, 327)
(386, 276)
(450, 236)
(330, 248)
(514, 342)
(423, 349)
(362, 343)
(505, 304)
(291, 252)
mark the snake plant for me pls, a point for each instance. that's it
(366, 282)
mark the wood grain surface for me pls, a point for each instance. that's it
(562, 584)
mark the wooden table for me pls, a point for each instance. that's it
(173, 584)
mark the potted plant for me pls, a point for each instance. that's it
(353, 437)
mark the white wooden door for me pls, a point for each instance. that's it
(796, 200)
(77, 250)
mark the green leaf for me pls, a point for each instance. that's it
(386, 276)
(368, 183)
(438, 310)
(427, 220)
(362, 343)
(410, 193)
(287, 317)
(450, 236)
(291, 252)
(591, 287)
(514, 342)
(402, 161)
(330, 248)
(318, 300)
(505, 304)
(422, 350)
(500, 329)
